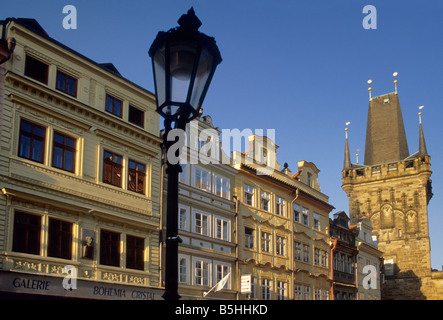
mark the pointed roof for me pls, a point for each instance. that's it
(421, 140)
(385, 132)
(347, 160)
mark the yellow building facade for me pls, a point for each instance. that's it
(79, 175)
(283, 226)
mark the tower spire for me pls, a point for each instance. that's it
(347, 159)
(421, 138)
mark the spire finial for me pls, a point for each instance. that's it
(419, 113)
(395, 80)
(356, 155)
(370, 89)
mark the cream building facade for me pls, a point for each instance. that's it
(80, 171)
(282, 225)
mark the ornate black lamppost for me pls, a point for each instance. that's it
(184, 61)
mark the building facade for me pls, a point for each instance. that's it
(392, 189)
(344, 256)
(369, 261)
(79, 175)
(207, 216)
(282, 225)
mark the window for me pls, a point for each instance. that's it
(183, 176)
(296, 209)
(350, 265)
(316, 221)
(201, 224)
(306, 254)
(113, 105)
(59, 239)
(66, 83)
(324, 258)
(36, 69)
(298, 292)
(317, 294)
(202, 179)
(248, 195)
(298, 251)
(310, 179)
(281, 290)
(222, 186)
(201, 275)
(109, 248)
(251, 296)
(183, 218)
(63, 152)
(265, 198)
(31, 141)
(281, 246)
(136, 116)
(280, 206)
(136, 176)
(305, 213)
(183, 269)
(266, 242)
(307, 293)
(135, 248)
(343, 263)
(112, 169)
(249, 238)
(266, 287)
(222, 228)
(316, 256)
(220, 272)
(27, 230)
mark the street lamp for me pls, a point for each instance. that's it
(184, 61)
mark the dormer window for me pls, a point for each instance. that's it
(36, 69)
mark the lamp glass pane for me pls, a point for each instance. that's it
(159, 73)
(201, 78)
(182, 61)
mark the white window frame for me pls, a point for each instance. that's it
(266, 288)
(195, 213)
(250, 239)
(226, 268)
(266, 241)
(280, 245)
(225, 183)
(296, 208)
(316, 217)
(225, 228)
(248, 190)
(201, 263)
(281, 290)
(305, 216)
(185, 258)
(265, 196)
(183, 211)
(201, 180)
(280, 206)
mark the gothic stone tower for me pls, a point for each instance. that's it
(393, 189)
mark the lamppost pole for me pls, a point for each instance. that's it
(172, 239)
(184, 61)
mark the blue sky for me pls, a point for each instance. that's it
(299, 67)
